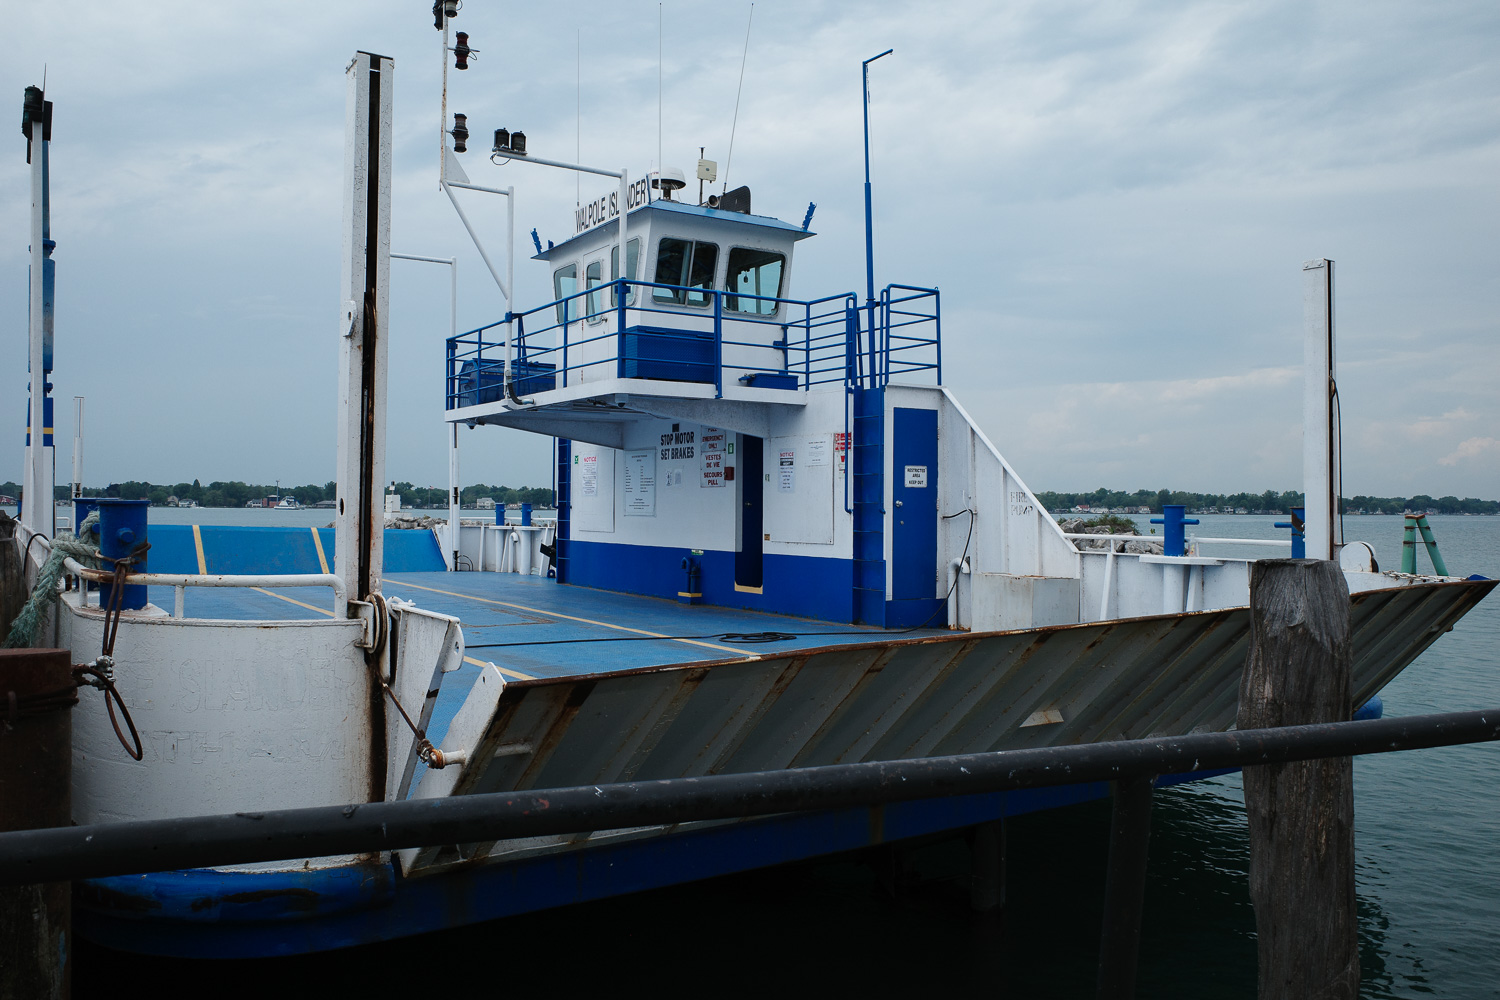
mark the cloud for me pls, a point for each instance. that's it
(1471, 448)
(1114, 199)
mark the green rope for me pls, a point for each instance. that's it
(24, 629)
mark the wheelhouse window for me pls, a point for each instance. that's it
(593, 277)
(754, 272)
(565, 283)
(684, 262)
(632, 266)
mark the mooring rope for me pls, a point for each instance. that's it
(24, 629)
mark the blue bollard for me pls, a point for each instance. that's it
(525, 515)
(1299, 532)
(499, 513)
(694, 582)
(122, 526)
(1174, 539)
(81, 508)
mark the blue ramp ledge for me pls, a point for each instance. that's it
(266, 550)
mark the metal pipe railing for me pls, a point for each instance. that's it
(824, 354)
(105, 849)
(179, 581)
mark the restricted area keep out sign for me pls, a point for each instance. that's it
(916, 475)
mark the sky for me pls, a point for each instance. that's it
(1115, 200)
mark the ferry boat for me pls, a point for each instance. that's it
(816, 554)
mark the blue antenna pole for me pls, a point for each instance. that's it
(869, 221)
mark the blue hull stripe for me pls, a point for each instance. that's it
(211, 914)
(792, 585)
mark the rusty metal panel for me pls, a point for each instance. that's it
(907, 698)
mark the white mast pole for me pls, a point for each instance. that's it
(510, 273)
(77, 447)
(1320, 458)
(453, 487)
(443, 114)
(624, 194)
(37, 511)
(366, 295)
(454, 508)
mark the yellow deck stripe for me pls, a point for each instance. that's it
(198, 546)
(318, 544)
(571, 618)
(324, 611)
(289, 600)
(509, 673)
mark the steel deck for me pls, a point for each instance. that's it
(533, 628)
(542, 624)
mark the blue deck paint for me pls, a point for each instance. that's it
(273, 550)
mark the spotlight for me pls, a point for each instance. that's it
(502, 140)
(461, 51)
(444, 10)
(460, 133)
(518, 143)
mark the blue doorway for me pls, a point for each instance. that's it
(749, 561)
(914, 517)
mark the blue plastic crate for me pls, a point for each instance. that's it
(670, 355)
(483, 381)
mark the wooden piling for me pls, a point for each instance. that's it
(987, 873)
(1125, 887)
(36, 755)
(1301, 814)
(12, 575)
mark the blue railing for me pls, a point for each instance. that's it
(721, 337)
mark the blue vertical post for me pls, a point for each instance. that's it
(869, 219)
(620, 329)
(937, 333)
(1299, 532)
(525, 515)
(807, 347)
(718, 346)
(1172, 522)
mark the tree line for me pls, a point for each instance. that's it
(1269, 502)
(238, 494)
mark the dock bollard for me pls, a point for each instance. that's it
(1174, 541)
(1299, 532)
(122, 526)
(81, 508)
(693, 587)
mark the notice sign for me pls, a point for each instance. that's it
(588, 475)
(786, 481)
(817, 452)
(640, 483)
(916, 475)
(677, 445)
(711, 450)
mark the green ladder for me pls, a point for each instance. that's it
(1414, 523)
